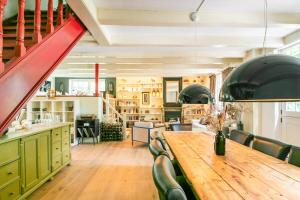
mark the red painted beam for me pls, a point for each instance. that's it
(23, 77)
(97, 80)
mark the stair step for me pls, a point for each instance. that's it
(12, 43)
(14, 35)
(8, 54)
(14, 28)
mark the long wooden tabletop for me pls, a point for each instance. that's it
(242, 173)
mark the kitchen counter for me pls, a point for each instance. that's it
(34, 130)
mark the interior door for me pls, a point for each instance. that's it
(290, 123)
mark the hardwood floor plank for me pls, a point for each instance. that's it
(112, 170)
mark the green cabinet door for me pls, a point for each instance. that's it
(44, 154)
(30, 162)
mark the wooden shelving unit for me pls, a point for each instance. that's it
(129, 98)
(44, 110)
(193, 111)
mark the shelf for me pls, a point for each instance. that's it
(129, 99)
(128, 106)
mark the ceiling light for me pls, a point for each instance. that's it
(270, 78)
(195, 94)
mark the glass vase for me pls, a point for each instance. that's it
(220, 142)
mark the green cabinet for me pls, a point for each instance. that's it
(44, 153)
(30, 162)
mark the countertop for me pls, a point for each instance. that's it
(34, 130)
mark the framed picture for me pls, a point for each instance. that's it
(46, 86)
(146, 98)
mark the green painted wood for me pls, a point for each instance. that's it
(38, 160)
(8, 173)
(11, 191)
(30, 162)
(44, 154)
(9, 152)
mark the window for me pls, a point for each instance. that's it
(293, 50)
(219, 105)
(85, 86)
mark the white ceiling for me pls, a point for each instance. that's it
(156, 37)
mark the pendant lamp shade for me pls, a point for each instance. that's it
(195, 94)
(272, 78)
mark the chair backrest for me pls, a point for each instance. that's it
(156, 149)
(86, 132)
(165, 180)
(271, 147)
(80, 132)
(241, 137)
(181, 127)
(294, 157)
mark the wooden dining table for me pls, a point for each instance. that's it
(243, 173)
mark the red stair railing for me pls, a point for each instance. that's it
(2, 5)
(37, 36)
(24, 74)
(20, 49)
(50, 27)
(60, 15)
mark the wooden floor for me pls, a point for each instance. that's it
(113, 170)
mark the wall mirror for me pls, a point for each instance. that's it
(172, 91)
(172, 88)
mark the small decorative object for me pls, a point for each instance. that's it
(220, 143)
(216, 122)
(145, 98)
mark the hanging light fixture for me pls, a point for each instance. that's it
(270, 78)
(195, 94)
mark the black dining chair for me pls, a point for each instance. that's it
(271, 147)
(241, 137)
(166, 182)
(294, 157)
(157, 148)
(181, 127)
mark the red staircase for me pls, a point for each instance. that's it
(32, 44)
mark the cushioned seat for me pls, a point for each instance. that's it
(271, 147)
(165, 180)
(241, 137)
(181, 127)
(294, 158)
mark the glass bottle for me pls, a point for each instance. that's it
(220, 142)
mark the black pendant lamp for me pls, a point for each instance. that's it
(272, 78)
(195, 94)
